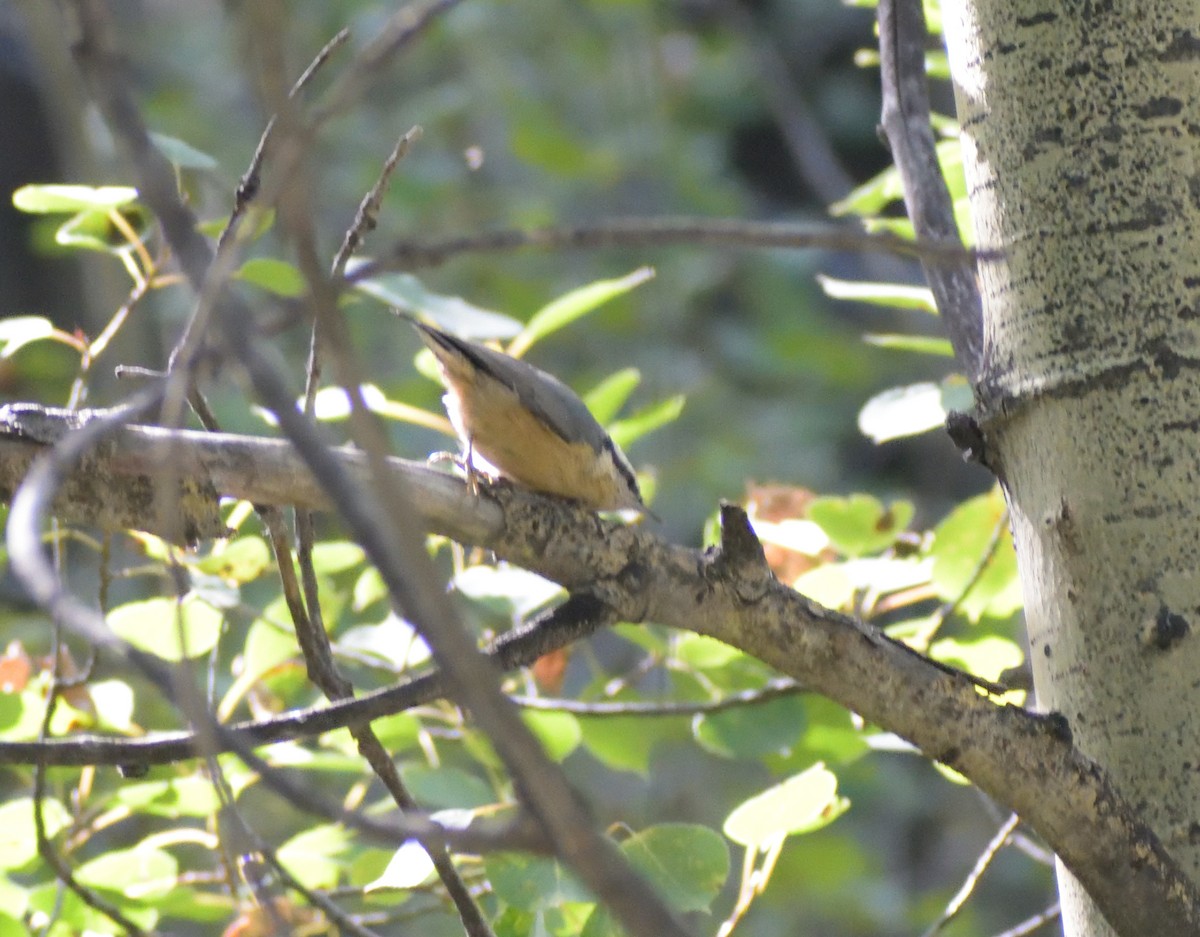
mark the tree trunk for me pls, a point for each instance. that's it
(1080, 124)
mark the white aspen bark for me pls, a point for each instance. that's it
(1081, 135)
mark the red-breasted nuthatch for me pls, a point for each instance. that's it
(530, 426)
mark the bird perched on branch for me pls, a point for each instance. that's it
(529, 425)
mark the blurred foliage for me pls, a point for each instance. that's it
(714, 367)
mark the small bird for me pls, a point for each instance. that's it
(530, 426)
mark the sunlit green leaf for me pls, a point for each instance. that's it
(336, 556)
(917, 408)
(114, 701)
(275, 276)
(317, 856)
(18, 331)
(64, 199)
(960, 544)
(409, 867)
(558, 732)
(627, 431)
(509, 590)
(18, 838)
(894, 295)
(172, 630)
(171, 797)
(394, 641)
(94, 230)
(860, 524)
(703, 652)
(801, 804)
(573, 305)
(141, 873)
(921, 344)
(240, 560)
(986, 656)
(606, 399)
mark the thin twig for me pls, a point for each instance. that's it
(248, 186)
(62, 871)
(775, 690)
(906, 122)
(661, 232)
(568, 623)
(990, 851)
(946, 609)
(368, 208)
(1031, 924)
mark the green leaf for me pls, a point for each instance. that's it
(558, 732)
(369, 588)
(878, 193)
(173, 798)
(530, 883)
(18, 331)
(73, 918)
(260, 220)
(317, 856)
(140, 873)
(241, 560)
(752, 732)
(94, 230)
(921, 344)
(626, 742)
(114, 704)
(183, 155)
(625, 432)
(409, 867)
(393, 641)
(508, 590)
(446, 786)
(397, 732)
(574, 305)
(606, 399)
(894, 295)
(69, 199)
(166, 628)
(337, 556)
(801, 804)
(18, 837)
(686, 863)
(267, 646)
(959, 544)
(406, 292)
(915, 409)
(860, 524)
(705, 653)
(275, 276)
(987, 656)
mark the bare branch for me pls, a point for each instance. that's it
(577, 618)
(902, 38)
(660, 232)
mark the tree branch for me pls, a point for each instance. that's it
(1020, 759)
(902, 38)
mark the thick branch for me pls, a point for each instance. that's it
(1022, 760)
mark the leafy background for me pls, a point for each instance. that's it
(535, 114)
